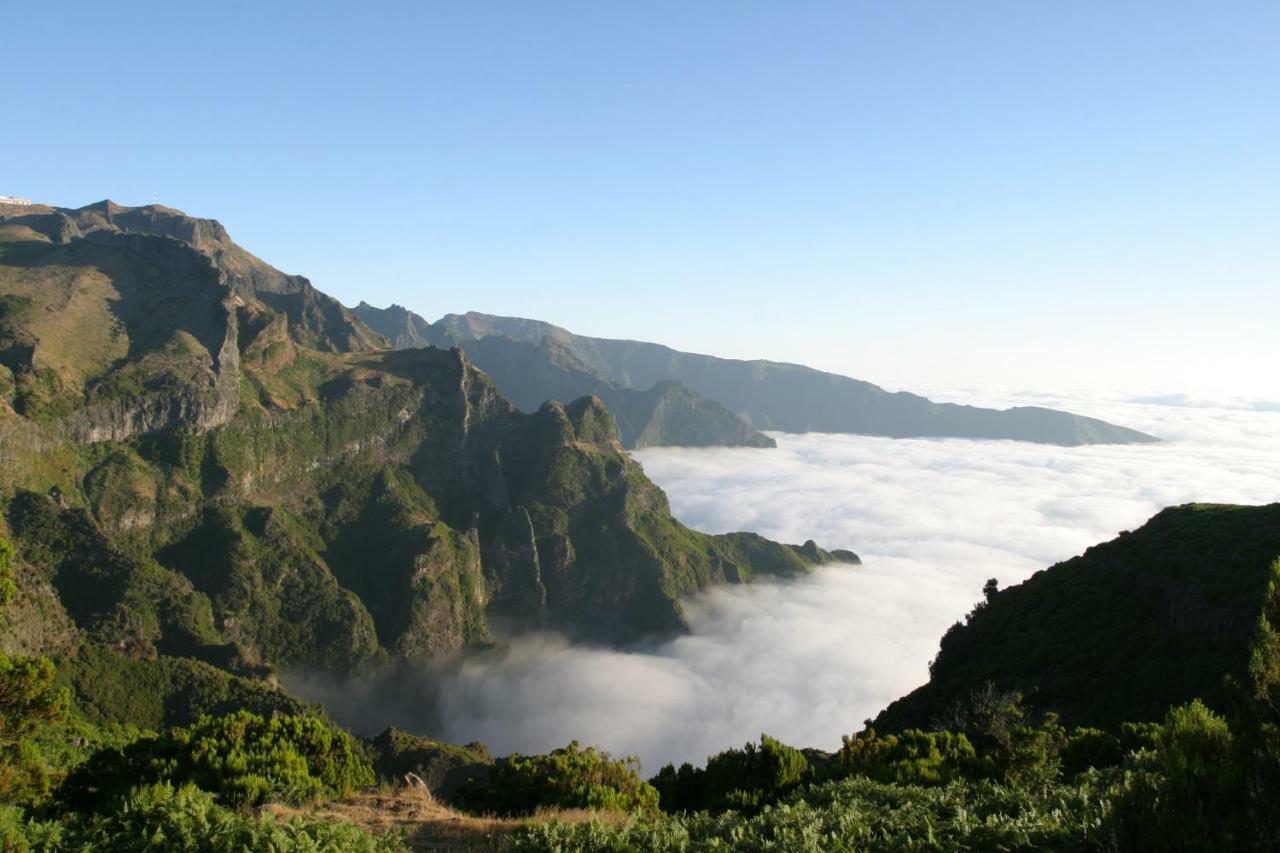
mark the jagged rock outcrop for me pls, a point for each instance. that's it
(530, 373)
(128, 320)
(208, 461)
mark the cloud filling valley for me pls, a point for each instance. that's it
(809, 660)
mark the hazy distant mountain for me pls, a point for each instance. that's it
(529, 373)
(771, 395)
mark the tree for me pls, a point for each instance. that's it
(990, 588)
(29, 701)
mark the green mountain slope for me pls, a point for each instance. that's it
(206, 460)
(1154, 618)
(531, 372)
(787, 397)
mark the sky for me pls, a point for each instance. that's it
(1038, 196)
(932, 519)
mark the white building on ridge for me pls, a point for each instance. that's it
(21, 202)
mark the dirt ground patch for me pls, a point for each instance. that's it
(428, 824)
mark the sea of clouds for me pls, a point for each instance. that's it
(809, 660)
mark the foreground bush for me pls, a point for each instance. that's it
(184, 820)
(569, 777)
(242, 758)
(739, 779)
(1204, 784)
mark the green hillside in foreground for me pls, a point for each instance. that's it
(765, 394)
(1003, 775)
(1156, 617)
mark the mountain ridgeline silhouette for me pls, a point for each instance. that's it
(766, 395)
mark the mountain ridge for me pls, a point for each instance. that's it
(1156, 617)
(215, 471)
(667, 414)
(772, 395)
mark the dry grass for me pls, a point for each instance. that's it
(428, 824)
(71, 317)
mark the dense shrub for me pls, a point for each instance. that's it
(20, 833)
(911, 758)
(742, 779)
(1098, 748)
(243, 758)
(1198, 789)
(569, 777)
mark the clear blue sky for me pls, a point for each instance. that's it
(1036, 194)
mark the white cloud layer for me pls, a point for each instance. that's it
(809, 660)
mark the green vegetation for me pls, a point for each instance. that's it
(739, 779)
(185, 820)
(442, 767)
(569, 777)
(992, 773)
(119, 788)
(201, 489)
(1203, 784)
(243, 758)
(857, 814)
(1152, 619)
(29, 703)
(164, 691)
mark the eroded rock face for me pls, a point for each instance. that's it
(244, 479)
(530, 373)
(157, 294)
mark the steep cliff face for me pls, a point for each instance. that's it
(400, 326)
(117, 322)
(206, 460)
